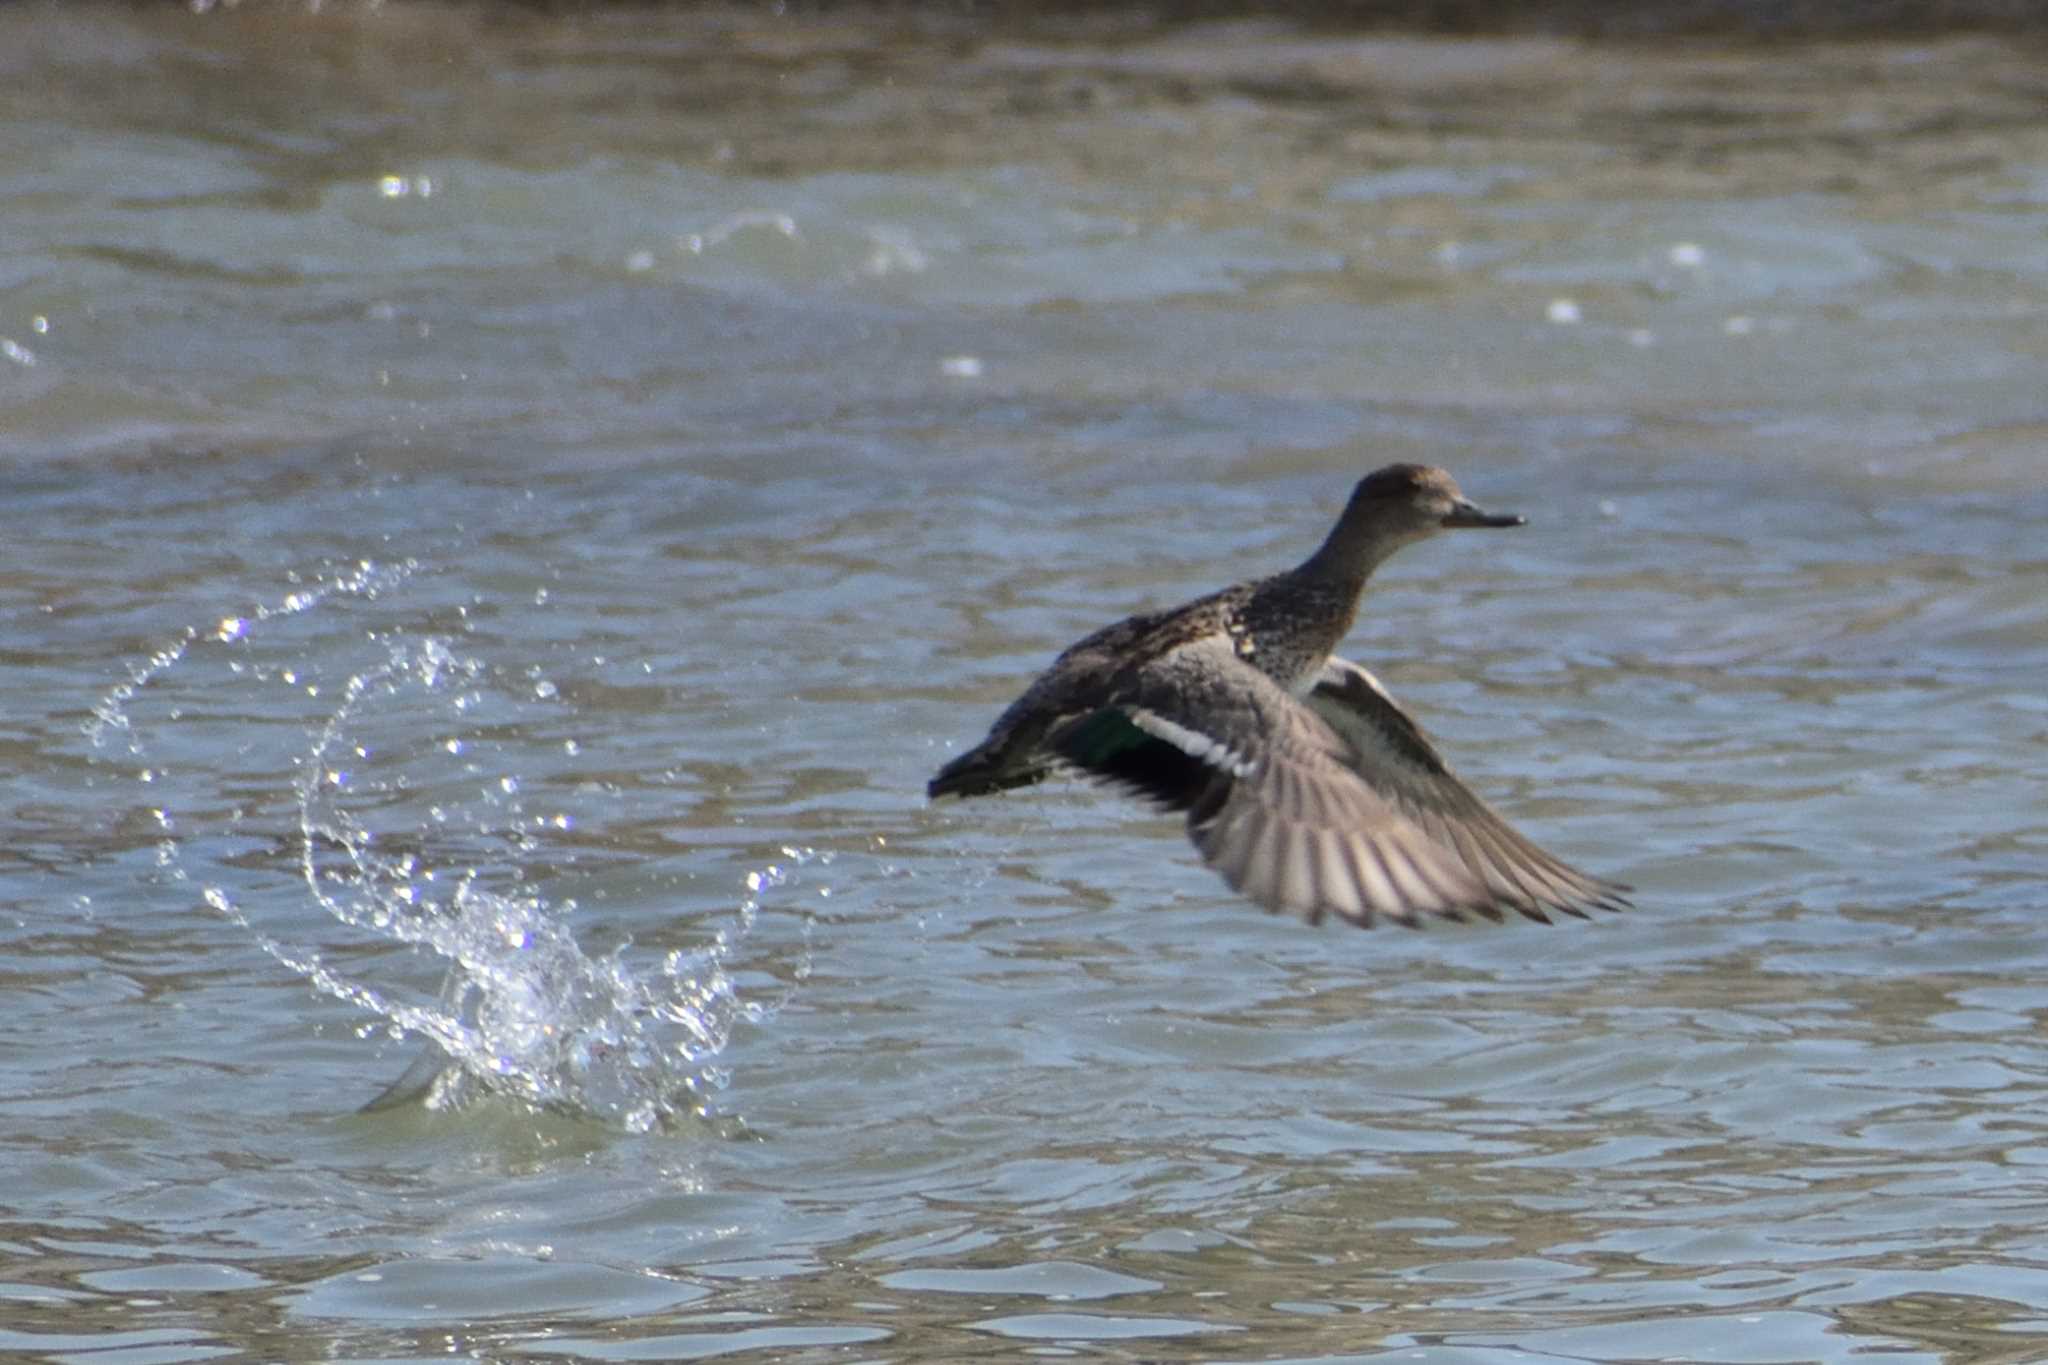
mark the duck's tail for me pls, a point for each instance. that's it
(988, 767)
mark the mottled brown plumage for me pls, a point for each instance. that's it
(1302, 782)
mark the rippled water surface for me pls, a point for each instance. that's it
(504, 514)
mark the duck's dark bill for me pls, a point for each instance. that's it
(1465, 514)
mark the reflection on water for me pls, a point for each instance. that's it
(506, 510)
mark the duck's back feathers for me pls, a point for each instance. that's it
(1078, 683)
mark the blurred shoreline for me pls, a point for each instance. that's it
(1758, 20)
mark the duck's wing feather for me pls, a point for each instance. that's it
(1272, 794)
(1392, 756)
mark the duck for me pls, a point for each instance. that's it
(1300, 779)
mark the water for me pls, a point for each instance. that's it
(505, 512)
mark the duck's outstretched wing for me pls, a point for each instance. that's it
(1272, 793)
(1391, 755)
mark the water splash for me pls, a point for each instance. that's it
(413, 826)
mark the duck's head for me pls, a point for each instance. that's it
(1410, 501)
(1392, 507)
